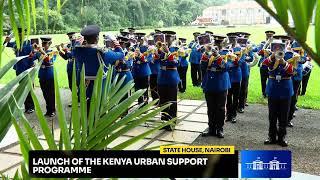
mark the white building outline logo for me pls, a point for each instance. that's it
(273, 165)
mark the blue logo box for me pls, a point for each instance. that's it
(265, 164)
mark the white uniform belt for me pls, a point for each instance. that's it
(213, 69)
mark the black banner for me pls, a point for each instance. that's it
(130, 164)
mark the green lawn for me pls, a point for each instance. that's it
(310, 100)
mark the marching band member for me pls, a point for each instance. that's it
(91, 56)
(279, 90)
(183, 65)
(215, 86)
(296, 79)
(307, 68)
(168, 79)
(154, 64)
(23, 64)
(141, 70)
(250, 60)
(194, 60)
(46, 75)
(263, 69)
(66, 54)
(235, 60)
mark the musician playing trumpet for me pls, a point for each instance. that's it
(65, 51)
(279, 91)
(46, 77)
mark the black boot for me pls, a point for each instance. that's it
(209, 132)
(270, 141)
(220, 133)
(282, 142)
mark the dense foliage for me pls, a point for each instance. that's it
(113, 14)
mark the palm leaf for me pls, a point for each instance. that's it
(299, 18)
(46, 13)
(34, 15)
(7, 67)
(24, 172)
(13, 23)
(43, 123)
(58, 6)
(1, 31)
(128, 127)
(282, 9)
(83, 108)
(21, 19)
(24, 145)
(75, 113)
(104, 128)
(61, 115)
(27, 16)
(141, 136)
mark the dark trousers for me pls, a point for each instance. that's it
(278, 114)
(233, 100)
(47, 87)
(264, 77)
(168, 94)
(154, 86)
(216, 103)
(183, 78)
(28, 103)
(142, 83)
(243, 92)
(196, 74)
(304, 84)
(294, 99)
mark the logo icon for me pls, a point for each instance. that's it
(265, 164)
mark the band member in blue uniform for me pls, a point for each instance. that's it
(183, 65)
(307, 69)
(45, 75)
(141, 70)
(296, 50)
(194, 60)
(91, 56)
(250, 60)
(234, 61)
(154, 64)
(23, 64)
(215, 86)
(263, 70)
(279, 90)
(66, 53)
(168, 79)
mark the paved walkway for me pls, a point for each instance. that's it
(248, 133)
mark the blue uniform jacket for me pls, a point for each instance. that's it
(89, 57)
(279, 89)
(46, 69)
(69, 56)
(195, 55)
(234, 70)
(245, 69)
(25, 63)
(169, 78)
(154, 64)
(183, 62)
(140, 67)
(217, 78)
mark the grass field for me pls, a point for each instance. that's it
(310, 100)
